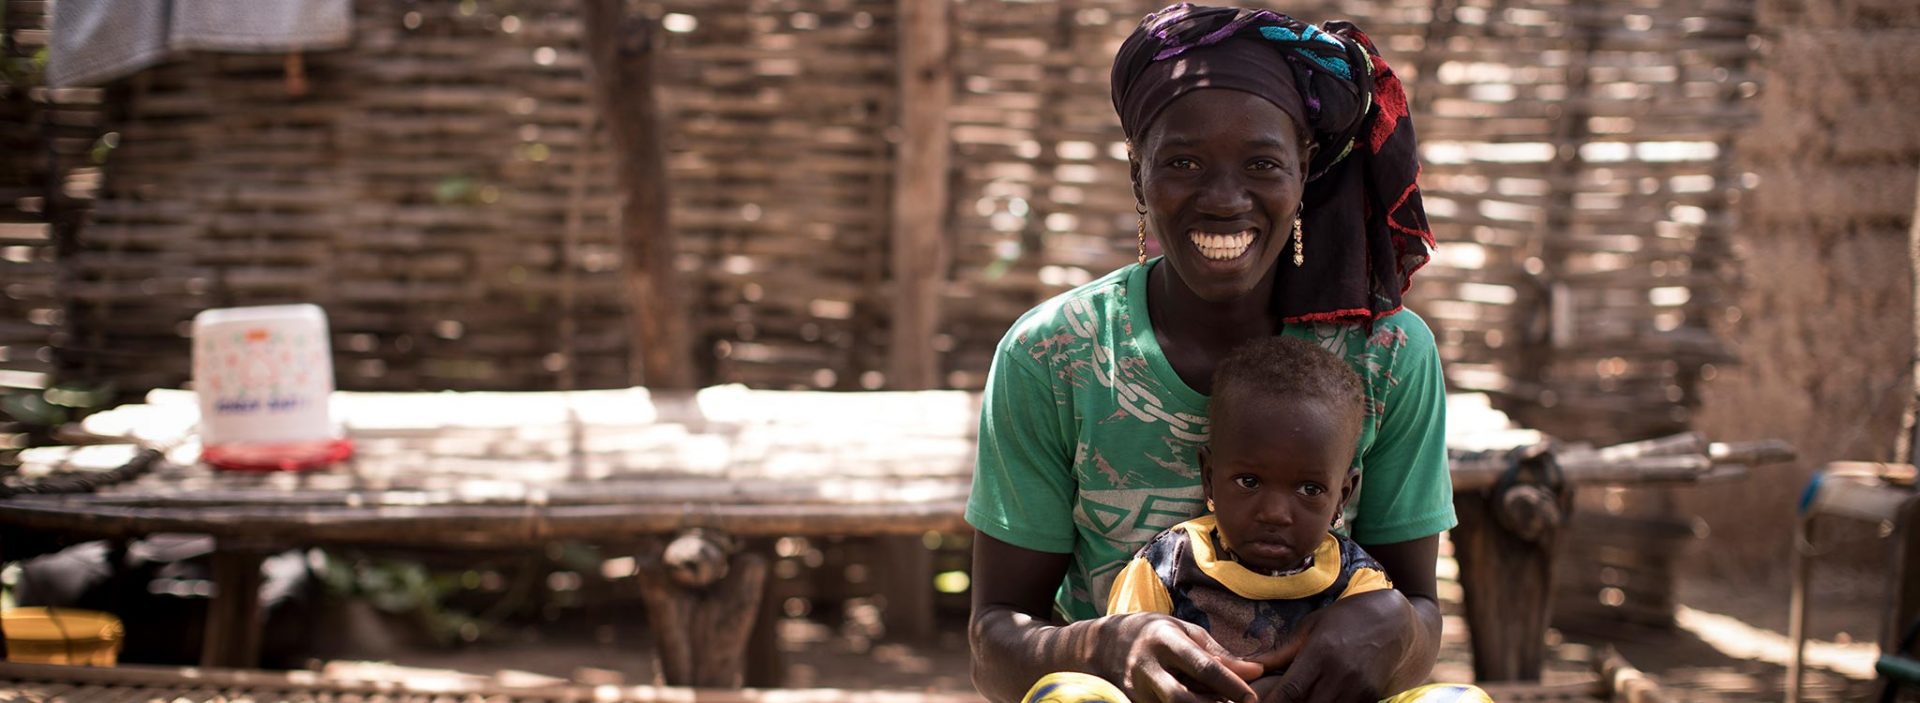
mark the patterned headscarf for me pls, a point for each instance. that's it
(1364, 229)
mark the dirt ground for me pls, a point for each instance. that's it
(1729, 646)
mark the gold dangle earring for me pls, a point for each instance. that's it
(1140, 231)
(1299, 255)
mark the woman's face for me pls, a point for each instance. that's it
(1220, 173)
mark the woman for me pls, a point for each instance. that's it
(1275, 165)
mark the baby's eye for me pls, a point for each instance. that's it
(1312, 490)
(1247, 482)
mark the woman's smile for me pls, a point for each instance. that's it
(1222, 247)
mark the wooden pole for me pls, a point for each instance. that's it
(920, 248)
(919, 266)
(766, 665)
(622, 48)
(1625, 683)
(1909, 427)
(4, 534)
(702, 601)
(1903, 583)
(1505, 544)
(906, 579)
(234, 620)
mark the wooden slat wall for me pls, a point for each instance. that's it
(1579, 155)
(47, 139)
(1576, 176)
(782, 173)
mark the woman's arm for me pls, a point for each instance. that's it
(1151, 657)
(1411, 566)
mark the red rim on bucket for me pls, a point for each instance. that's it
(278, 456)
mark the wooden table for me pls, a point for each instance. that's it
(681, 478)
(624, 468)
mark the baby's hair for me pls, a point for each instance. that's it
(1290, 370)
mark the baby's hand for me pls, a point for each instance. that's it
(1247, 670)
(1276, 660)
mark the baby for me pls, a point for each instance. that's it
(1277, 474)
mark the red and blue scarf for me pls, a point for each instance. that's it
(1365, 231)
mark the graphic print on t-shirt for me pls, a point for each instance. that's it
(1126, 519)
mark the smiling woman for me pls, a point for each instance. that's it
(1275, 165)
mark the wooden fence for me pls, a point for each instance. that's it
(444, 190)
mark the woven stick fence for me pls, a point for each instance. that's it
(444, 189)
(48, 140)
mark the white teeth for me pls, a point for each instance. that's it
(1221, 247)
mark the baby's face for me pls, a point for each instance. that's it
(1277, 472)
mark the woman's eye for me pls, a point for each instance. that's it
(1183, 164)
(1247, 482)
(1263, 165)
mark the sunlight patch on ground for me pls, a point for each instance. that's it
(1738, 639)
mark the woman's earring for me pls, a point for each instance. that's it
(1299, 255)
(1339, 520)
(1140, 231)
(1209, 505)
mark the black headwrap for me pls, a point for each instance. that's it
(1364, 229)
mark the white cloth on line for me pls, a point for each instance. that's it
(96, 41)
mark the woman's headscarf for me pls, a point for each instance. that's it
(1364, 229)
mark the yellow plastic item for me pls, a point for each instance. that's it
(1442, 693)
(1073, 687)
(61, 636)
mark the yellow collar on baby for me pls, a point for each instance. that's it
(1252, 584)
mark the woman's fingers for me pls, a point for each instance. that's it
(1205, 662)
(1163, 686)
(1246, 670)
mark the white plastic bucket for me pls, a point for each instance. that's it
(264, 376)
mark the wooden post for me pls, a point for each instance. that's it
(621, 48)
(1505, 545)
(4, 534)
(766, 667)
(1903, 588)
(702, 600)
(234, 622)
(920, 248)
(905, 571)
(1625, 683)
(1909, 425)
(920, 258)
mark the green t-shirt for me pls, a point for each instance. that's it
(1088, 437)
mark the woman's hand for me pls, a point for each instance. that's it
(1349, 651)
(1154, 657)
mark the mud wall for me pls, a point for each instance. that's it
(1822, 319)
